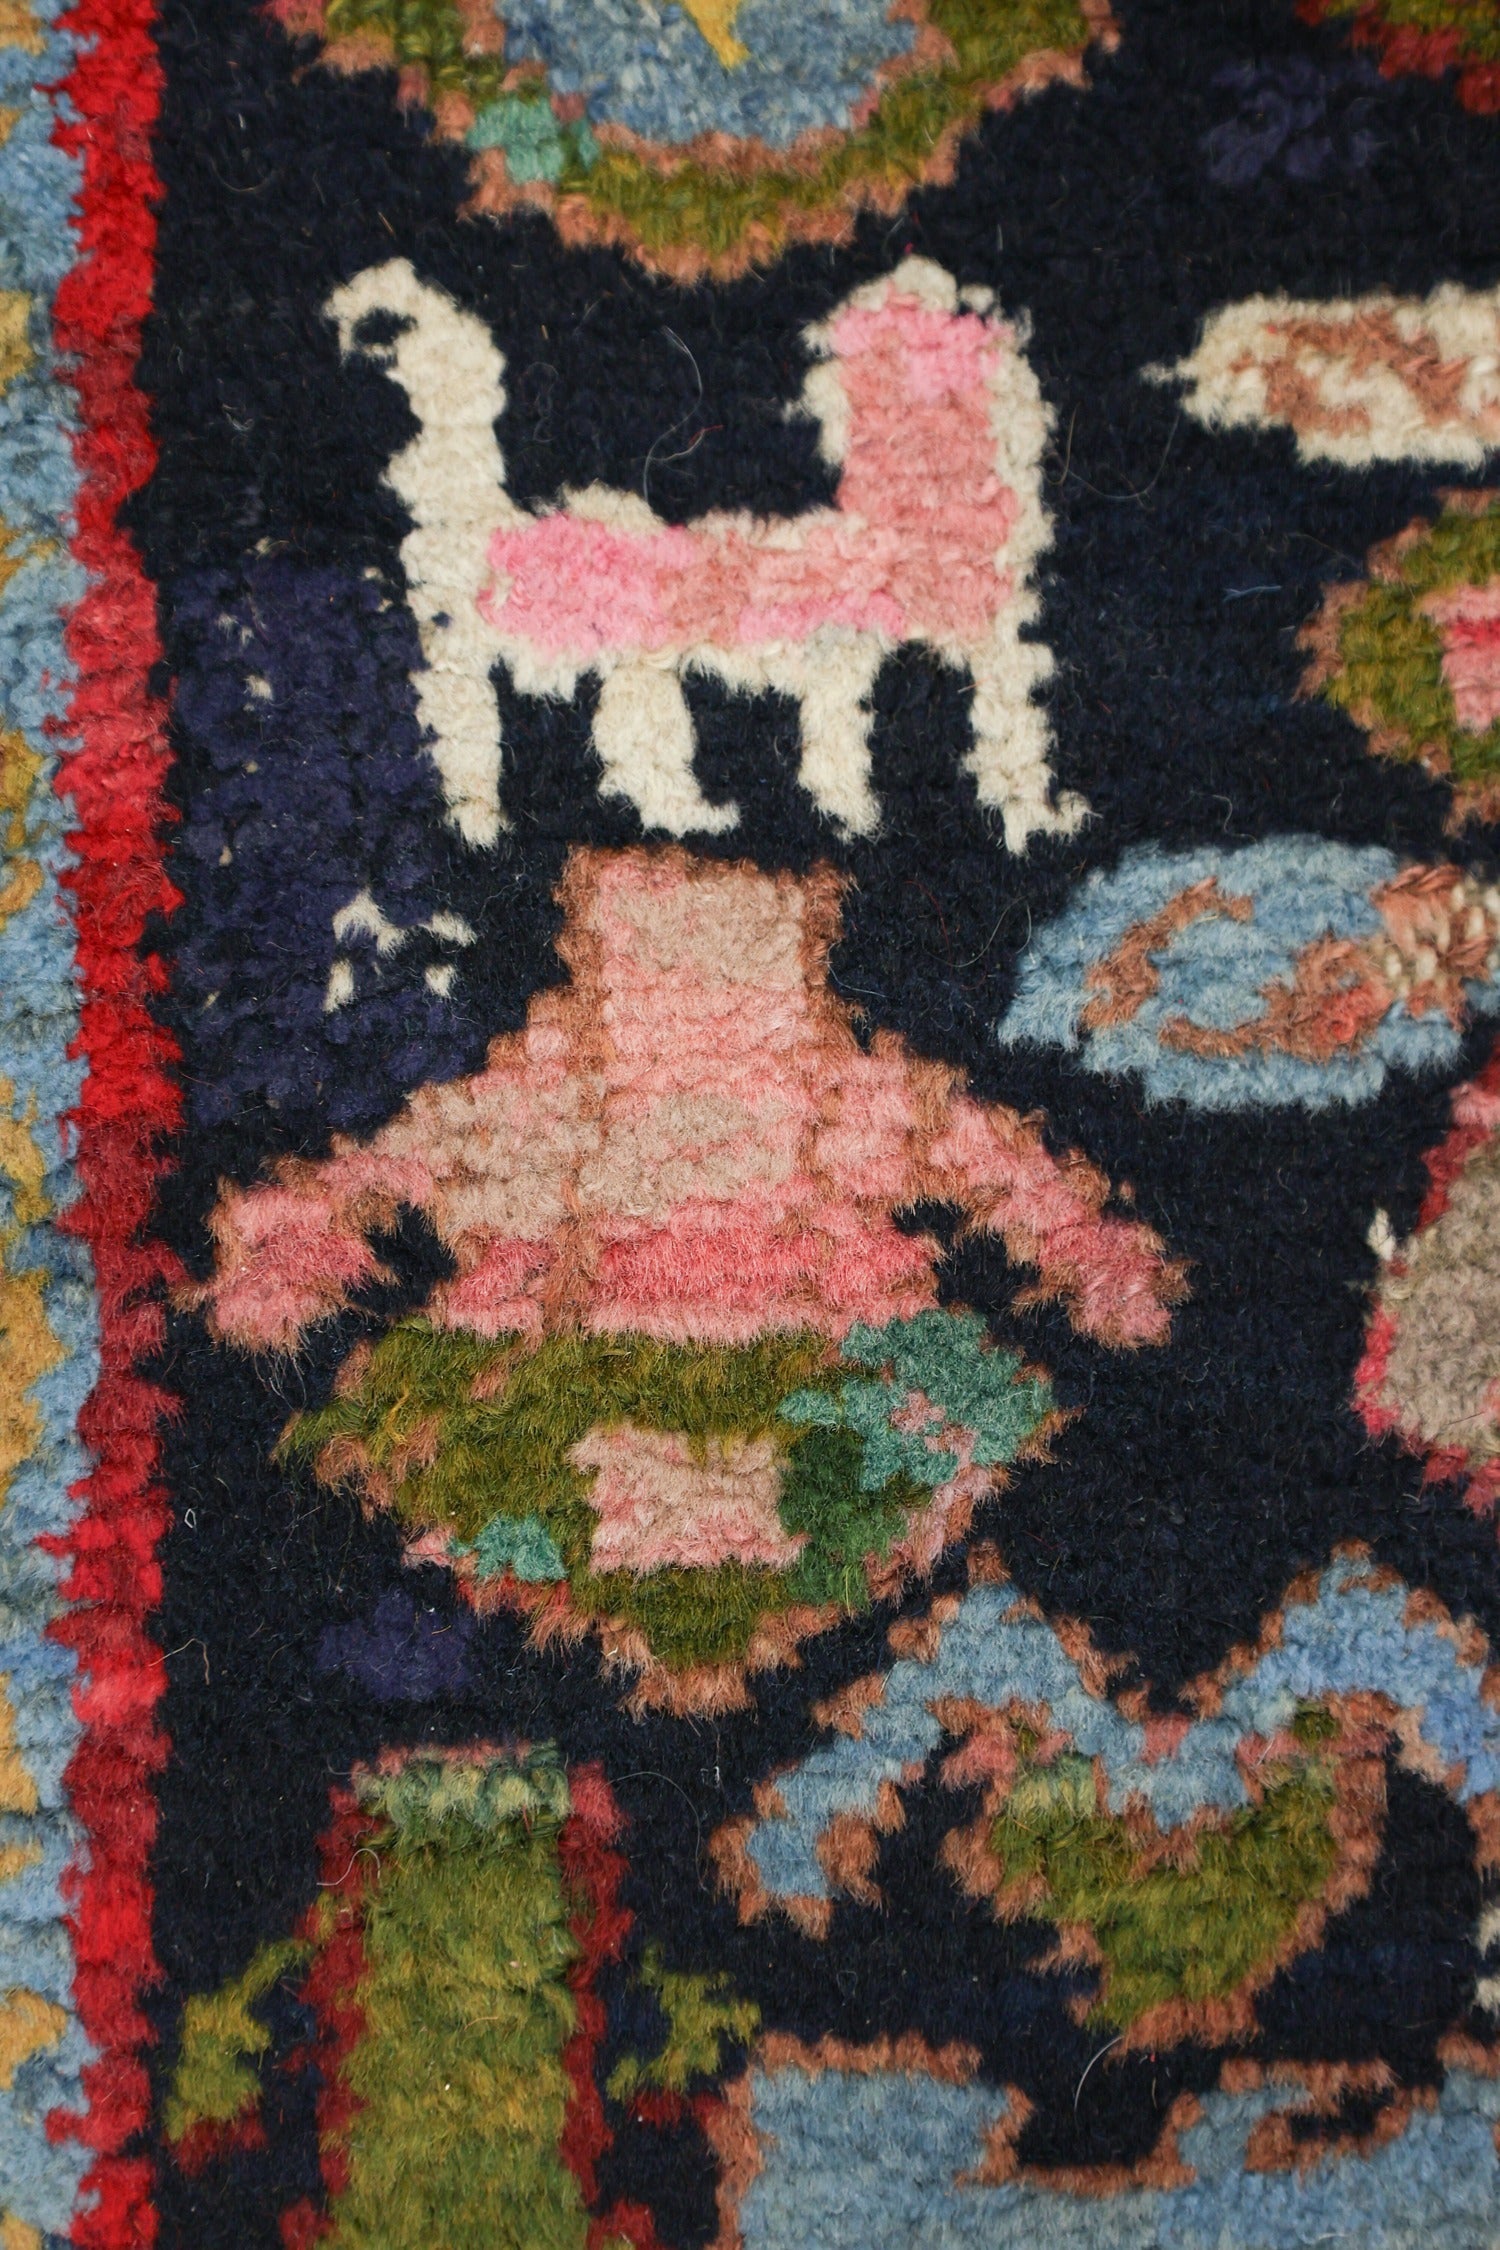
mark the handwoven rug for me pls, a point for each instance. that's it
(749, 1124)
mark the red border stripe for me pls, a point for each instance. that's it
(127, 1109)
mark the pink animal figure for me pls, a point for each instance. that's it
(936, 425)
(686, 1142)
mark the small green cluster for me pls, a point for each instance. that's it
(948, 1358)
(1389, 670)
(422, 34)
(215, 2080)
(423, 1797)
(474, 1437)
(1194, 1929)
(702, 2016)
(538, 144)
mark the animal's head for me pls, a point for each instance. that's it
(904, 342)
(443, 357)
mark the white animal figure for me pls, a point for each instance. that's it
(936, 424)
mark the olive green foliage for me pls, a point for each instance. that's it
(466, 2010)
(474, 1436)
(425, 34)
(499, 1421)
(1187, 1932)
(826, 1497)
(216, 2079)
(1390, 668)
(702, 2016)
(705, 208)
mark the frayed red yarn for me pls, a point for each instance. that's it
(632, 2220)
(1479, 89)
(659, 2106)
(334, 1978)
(211, 2143)
(1407, 51)
(600, 1926)
(126, 1109)
(1473, 1125)
(303, 2225)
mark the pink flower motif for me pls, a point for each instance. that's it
(1469, 619)
(664, 1501)
(688, 1142)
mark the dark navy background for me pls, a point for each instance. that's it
(1201, 1477)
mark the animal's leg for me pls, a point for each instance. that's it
(831, 677)
(643, 732)
(1011, 741)
(456, 699)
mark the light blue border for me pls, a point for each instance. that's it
(39, 2178)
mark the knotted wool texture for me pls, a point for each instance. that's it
(749, 1124)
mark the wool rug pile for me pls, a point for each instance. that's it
(749, 1124)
